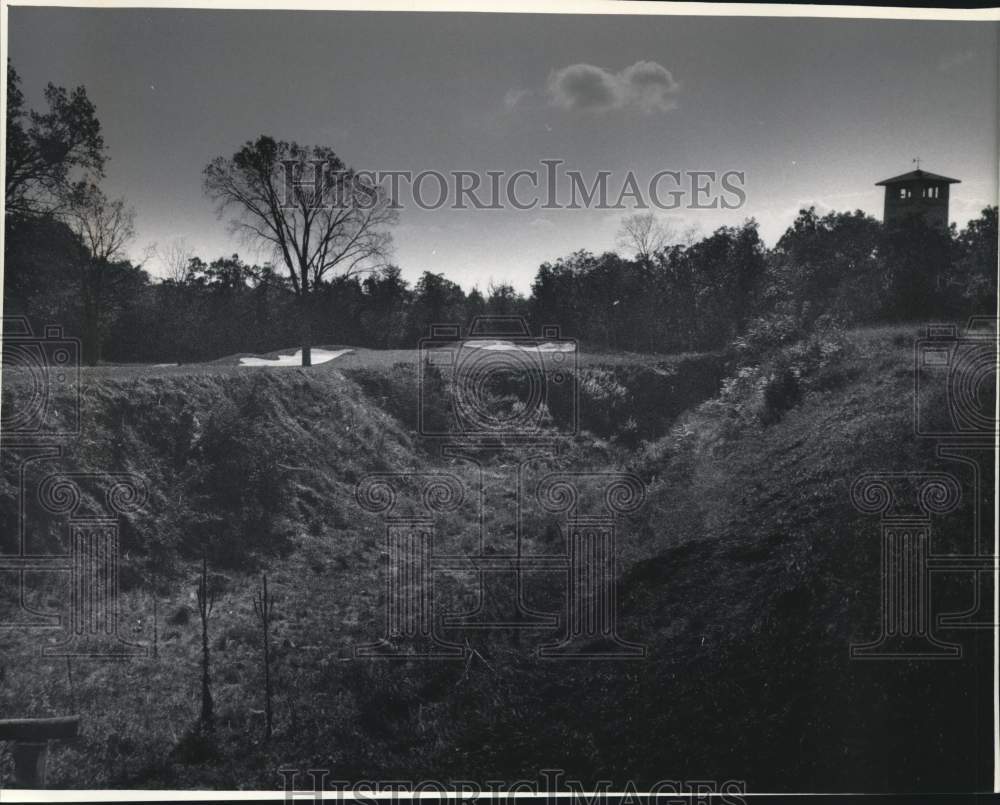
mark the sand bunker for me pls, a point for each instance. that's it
(510, 346)
(318, 356)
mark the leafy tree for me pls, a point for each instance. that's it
(973, 281)
(42, 259)
(558, 293)
(45, 150)
(436, 300)
(503, 300)
(827, 265)
(224, 274)
(386, 298)
(475, 304)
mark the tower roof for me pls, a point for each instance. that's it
(918, 175)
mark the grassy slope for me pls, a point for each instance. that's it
(162, 427)
(747, 576)
(747, 579)
(771, 574)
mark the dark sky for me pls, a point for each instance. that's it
(814, 111)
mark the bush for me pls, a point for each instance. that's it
(766, 334)
(242, 481)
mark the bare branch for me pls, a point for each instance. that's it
(320, 226)
(104, 225)
(175, 259)
(644, 234)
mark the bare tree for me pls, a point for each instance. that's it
(318, 217)
(175, 259)
(263, 607)
(206, 603)
(105, 226)
(644, 234)
(690, 235)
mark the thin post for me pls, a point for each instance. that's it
(206, 602)
(156, 626)
(263, 607)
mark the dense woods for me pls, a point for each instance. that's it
(839, 268)
(66, 262)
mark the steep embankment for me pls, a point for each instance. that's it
(240, 460)
(255, 469)
(746, 575)
(766, 573)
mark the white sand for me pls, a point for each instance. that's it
(509, 346)
(318, 356)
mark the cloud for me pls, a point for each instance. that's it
(645, 85)
(651, 86)
(584, 86)
(513, 97)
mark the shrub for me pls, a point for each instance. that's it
(766, 334)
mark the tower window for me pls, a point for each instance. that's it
(904, 192)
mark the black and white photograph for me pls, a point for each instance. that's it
(589, 400)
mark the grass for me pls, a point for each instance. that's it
(746, 574)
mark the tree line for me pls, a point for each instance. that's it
(842, 268)
(331, 280)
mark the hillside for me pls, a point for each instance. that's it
(747, 574)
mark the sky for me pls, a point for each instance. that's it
(813, 112)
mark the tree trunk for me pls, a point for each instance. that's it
(207, 714)
(91, 331)
(305, 325)
(306, 334)
(93, 292)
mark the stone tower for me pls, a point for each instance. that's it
(917, 193)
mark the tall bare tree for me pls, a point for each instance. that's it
(105, 227)
(320, 218)
(175, 259)
(644, 234)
